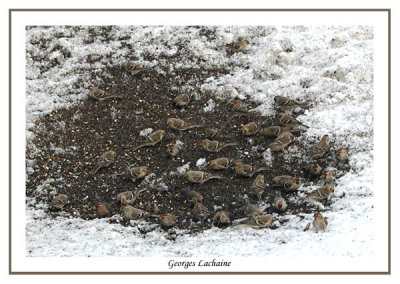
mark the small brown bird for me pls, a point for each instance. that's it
(105, 160)
(283, 140)
(280, 204)
(264, 220)
(246, 170)
(153, 209)
(219, 164)
(199, 176)
(328, 176)
(173, 150)
(214, 146)
(288, 183)
(320, 149)
(315, 169)
(101, 95)
(239, 106)
(168, 220)
(152, 139)
(210, 132)
(58, 202)
(284, 118)
(252, 211)
(342, 155)
(182, 100)
(102, 209)
(135, 173)
(128, 197)
(250, 128)
(320, 193)
(239, 45)
(221, 218)
(178, 124)
(193, 196)
(285, 103)
(258, 186)
(133, 68)
(132, 213)
(320, 222)
(200, 211)
(271, 131)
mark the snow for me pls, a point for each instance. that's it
(328, 68)
(145, 132)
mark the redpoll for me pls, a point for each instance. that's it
(105, 160)
(285, 102)
(210, 132)
(258, 186)
(315, 169)
(264, 220)
(128, 197)
(58, 202)
(288, 183)
(328, 176)
(182, 100)
(239, 45)
(200, 211)
(252, 211)
(219, 164)
(135, 173)
(193, 196)
(280, 204)
(238, 105)
(152, 139)
(246, 170)
(221, 218)
(180, 125)
(133, 68)
(214, 146)
(199, 176)
(274, 130)
(284, 118)
(168, 220)
(250, 128)
(280, 143)
(102, 209)
(101, 95)
(342, 155)
(320, 193)
(153, 209)
(173, 150)
(320, 222)
(132, 213)
(320, 149)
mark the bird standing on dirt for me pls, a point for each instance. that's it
(132, 213)
(153, 209)
(288, 183)
(182, 100)
(101, 95)
(285, 119)
(283, 140)
(133, 68)
(106, 159)
(320, 149)
(328, 176)
(152, 139)
(285, 103)
(258, 185)
(168, 220)
(102, 209)
(135, 173)
(200, 211)
(315, 169)
(280, 204)
(58, 202)
(214, 146)
(239, 106)
(250, 128)
(320, 194)
(199, 176)
(173, 150)
(272, 131)
(246, 170)
(178, 124)
(219, 164)
(193, 196)
(221, 218)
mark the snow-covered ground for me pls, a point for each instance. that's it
(328, 68)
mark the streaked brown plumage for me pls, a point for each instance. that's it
(128, 197)
(285, 103)
(320, 149)
(193, 196)
(328, 176)
(133, 68)
(153, 209)
(321, 193)
(258, 185)
(182, 100)
(221, 218)
(214, 146)
(271, 131)
(264, 220)
(135, 173)
(280, 204)
(283, 140)
(284, 119)
(200, 211)
(132, 213)
(342, 155)
(239, 106)
(252, 211)
(199, 176)
(58, 202)
(152, 139)
(101, 95)
(246, 170)
(288, 183)
(168, 220)
(210, 132)
(219, 164)
(106, 159)
(239, 45)
(315, 169)
(250, 128)
(102, 209)
(178, 124)
(320, 222)
(173, 150)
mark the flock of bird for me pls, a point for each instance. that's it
(283, 129)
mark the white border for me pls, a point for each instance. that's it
(20, 19)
